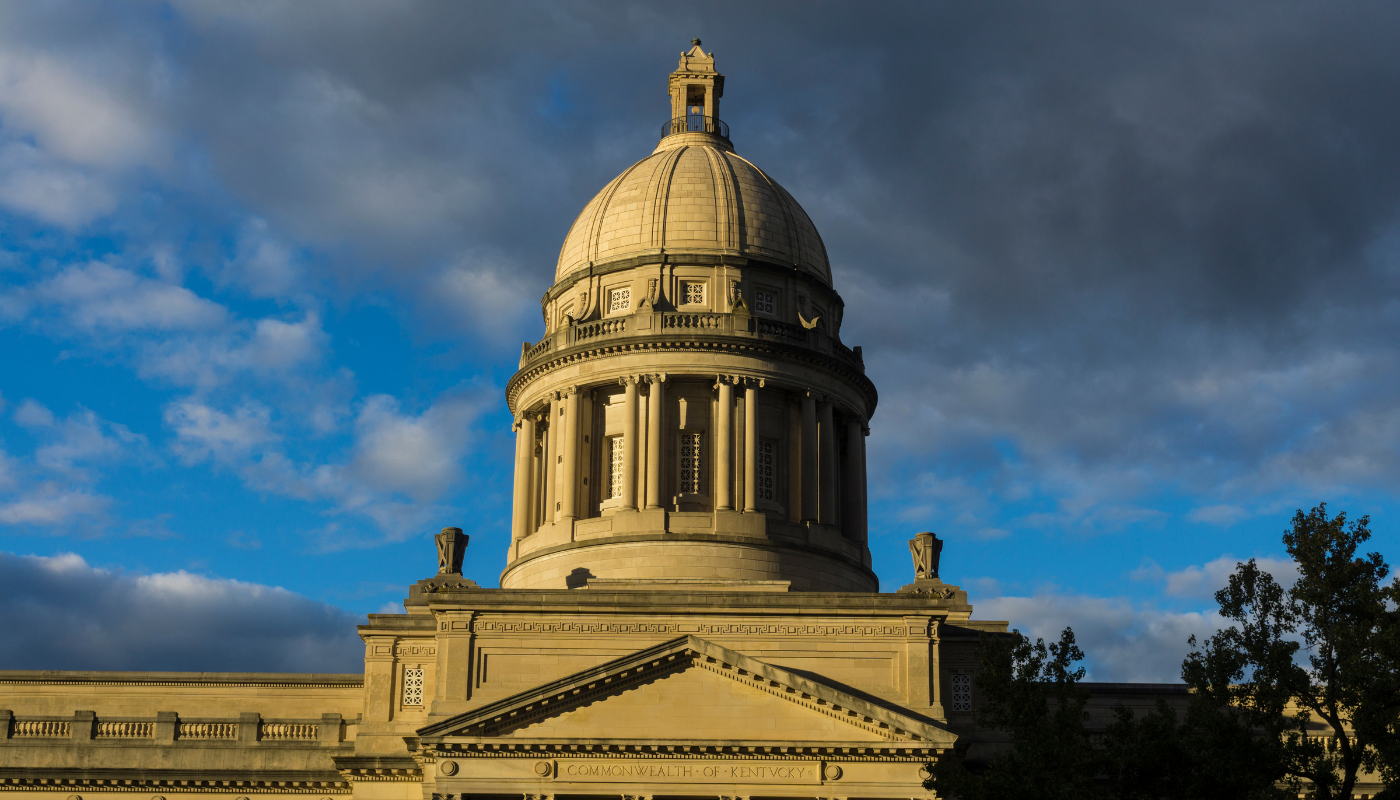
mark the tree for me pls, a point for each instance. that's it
(1336, 711)
(1031, 692)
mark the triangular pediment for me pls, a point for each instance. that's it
(689, 689)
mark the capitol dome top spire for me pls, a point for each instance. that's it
(694, 194)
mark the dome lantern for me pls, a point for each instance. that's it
(695, 89)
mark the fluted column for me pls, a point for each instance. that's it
(827, 435)
(568, 495)
(629, 444)
(751, 444)
(537, 476)
(643, 440)
(854, 483)
(794, 460)
(551, 463)
(524, 456)
(724, 437)
(654, 406)
(809, 457)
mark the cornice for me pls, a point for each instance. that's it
(712, 343)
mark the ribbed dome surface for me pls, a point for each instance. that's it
(696, 197)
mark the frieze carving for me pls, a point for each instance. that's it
(674, 628)
(415, 650)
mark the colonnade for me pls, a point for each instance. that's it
(548, 457)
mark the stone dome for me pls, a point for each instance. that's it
(694, 194)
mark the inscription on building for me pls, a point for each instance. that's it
(593, 770)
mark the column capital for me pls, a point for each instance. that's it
(567, 392)
(655, 377)
(632, 379)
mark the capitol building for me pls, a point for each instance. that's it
(687, 608)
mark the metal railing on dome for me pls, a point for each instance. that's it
(695, 123)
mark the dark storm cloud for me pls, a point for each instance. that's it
(61, 613)
(1131, 245)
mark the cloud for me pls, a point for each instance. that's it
(100, 297)
(1201, 582)
(48, 503)
(400, 462)
(1121, 641)
(66, 614)
(204, 433)
(418, 456)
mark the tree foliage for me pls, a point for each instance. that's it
(1031, 693)
(1317, 664)
(1300, 694)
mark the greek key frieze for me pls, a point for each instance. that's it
(748, 629)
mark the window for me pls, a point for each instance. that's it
(962, 693)
(765, 302)
(620, 299)
(615, 455)
(413, 686)
(693, 292)
(766, 459)
(690, 462)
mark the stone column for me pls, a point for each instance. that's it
(551, 463)
(654, 406)
(569, 489)
(524, 456)
(827, 435)
(751, 445)
(629, 444)
(537, 476)
(809, 457)
(724, 437)
(853, 481)
(794, 460)
(643, 441)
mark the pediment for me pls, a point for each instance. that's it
(692, 690)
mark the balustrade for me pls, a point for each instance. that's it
(41, 729)
(692, 321)
(208, 730)
(125, 730)
(603, 327)
(290, 731)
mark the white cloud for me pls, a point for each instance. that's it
(31, 183)
(71, 115)
(1121, 641)
(1205, 580)
(262, 264)
(266, 348)
(419, 456)
(64, 614)
(204, 432)
(50, 504)
(98, 296)
(31, 414)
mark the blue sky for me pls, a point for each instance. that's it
(1126, 280)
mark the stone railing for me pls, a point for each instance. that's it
(539, 348)
(167, 728)
(207, 730)
(693, 321)
(670, 324)
(42, 729)
(779, 330)
(603, 327)
(290, 731)
(125, 730)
